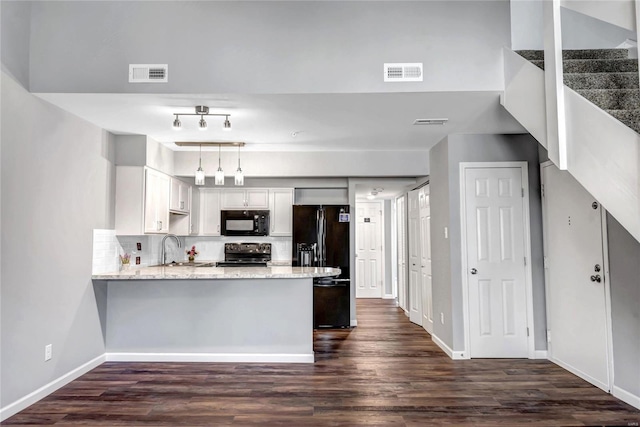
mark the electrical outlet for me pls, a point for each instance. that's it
(137, 260)
(139, 246)
(48, 352)
(442, 318)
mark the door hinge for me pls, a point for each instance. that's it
(548, 336)
(525, 260)
(542, 189)
(522, 192)
(527, 331)
(545, 262)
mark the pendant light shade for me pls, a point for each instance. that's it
(219, 177)
(239, 178)
(200, 171)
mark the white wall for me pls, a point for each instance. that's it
(309, 164)
(445, 211)
(624, 266)
(15, 20)
(265, 46)
(57, 186)
(579, 31)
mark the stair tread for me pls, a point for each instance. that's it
(587, 66)
(628, 80)
(578, 53)
(612, 99)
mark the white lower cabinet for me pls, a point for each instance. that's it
(281, 211)
(209, 212)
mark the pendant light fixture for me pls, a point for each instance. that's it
(219, 177)
(200, 171)
(239, 180)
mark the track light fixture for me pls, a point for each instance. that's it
(201, 110)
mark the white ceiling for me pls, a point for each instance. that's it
(300, 122)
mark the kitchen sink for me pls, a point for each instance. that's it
(187, 264)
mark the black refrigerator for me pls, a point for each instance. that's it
(321, 239)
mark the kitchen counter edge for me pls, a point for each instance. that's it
(218, 273)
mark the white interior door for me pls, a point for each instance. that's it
(369, 257)
(575, 289)
(415, 294)
(496, 273)
(402, 252)
(425, 258)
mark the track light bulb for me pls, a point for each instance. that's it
(227, 124)
(177, 124)
(202, 124)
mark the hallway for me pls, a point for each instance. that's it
(386, 371)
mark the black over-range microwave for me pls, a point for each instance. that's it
(244, 223)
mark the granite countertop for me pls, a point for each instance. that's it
(190, 272)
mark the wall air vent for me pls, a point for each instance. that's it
(148, 73)
(403, 72)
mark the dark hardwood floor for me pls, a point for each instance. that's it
(386, 371)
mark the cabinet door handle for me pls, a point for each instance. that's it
(218, 228)
(181, 205)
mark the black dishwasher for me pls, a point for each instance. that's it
(331, 303)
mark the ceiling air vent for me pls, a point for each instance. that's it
(403, 72)
(148, 73)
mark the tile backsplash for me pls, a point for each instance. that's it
(105, 251)
(107, 246)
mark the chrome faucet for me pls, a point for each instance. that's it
(163, 254)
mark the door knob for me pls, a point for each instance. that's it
(596, 278)
(597, 268)
(474, 271)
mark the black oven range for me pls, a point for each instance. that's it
(246, 255)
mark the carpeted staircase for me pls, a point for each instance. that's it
(606, 77)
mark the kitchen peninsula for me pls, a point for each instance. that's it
(209, 314)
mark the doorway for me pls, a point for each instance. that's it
(369, 250)
(577, 286)
(425, 258)
(415, 271)
(497, 295)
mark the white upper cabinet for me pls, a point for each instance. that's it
(156, 202)
(250, 198)
(180, 196)
(209, 212)
(281, 211)
(187, 223)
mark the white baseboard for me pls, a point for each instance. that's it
(354, 322)
(455, 355)
(388, 296)
(626, 397)
(540, 354)
(211, 357)
(31, 398)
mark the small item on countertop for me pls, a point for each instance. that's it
(125, 258)
(191, 253)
